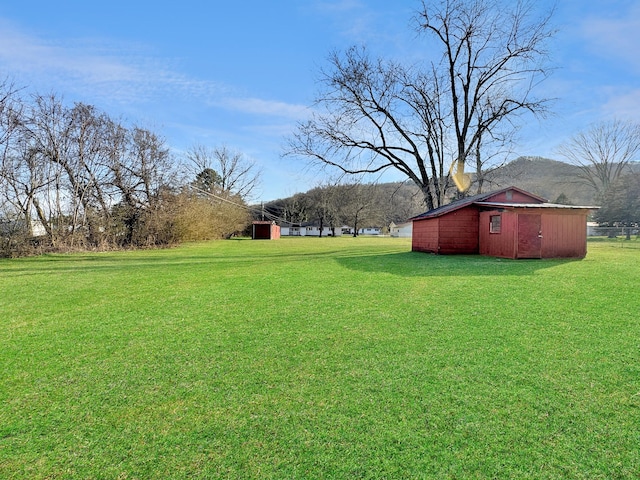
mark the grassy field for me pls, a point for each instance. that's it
(320, 358)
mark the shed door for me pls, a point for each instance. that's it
(261, 231)
(529, 236)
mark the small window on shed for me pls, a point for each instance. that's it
(495, 222)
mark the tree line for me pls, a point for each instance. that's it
(73, 177)
(356, 205)
(91, 181)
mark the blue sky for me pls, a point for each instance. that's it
(241, 74)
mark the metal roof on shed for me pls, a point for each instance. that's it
(534, 205)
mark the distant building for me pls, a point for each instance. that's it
(592, 229)
(265, 231)
(370, 231)
(402, 230)
(310, 230)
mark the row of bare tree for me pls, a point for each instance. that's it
(72, 177)
(356, 205)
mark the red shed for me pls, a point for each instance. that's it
(509, 223)
(265, 231)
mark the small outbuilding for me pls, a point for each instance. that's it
(508, 223)
(264, 230)
(403, 230)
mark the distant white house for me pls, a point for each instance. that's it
(402, 230)
(289, 231)
(312, 230)
(38, 228)
(370, 231)
(309, 230)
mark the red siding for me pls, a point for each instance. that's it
(501, 244)
(456, 232)
(425, 235)
(459, 231)
(564, 234)
(515, 197)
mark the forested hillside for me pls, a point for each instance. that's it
(550, 179)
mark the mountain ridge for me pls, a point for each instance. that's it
(551, 179)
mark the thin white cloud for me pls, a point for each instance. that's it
(77, 65)
(615, 37)
(258, 106)
(354, 19)
(611, 38)
(117, 73)
(625, 105)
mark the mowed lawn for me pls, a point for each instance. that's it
(320, 358)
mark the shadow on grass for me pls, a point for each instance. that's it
(410, 264)
(152, 260)
(383, 260)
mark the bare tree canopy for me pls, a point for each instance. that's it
(428, 120)
(603, 152)
(234, 173)
(73, 177)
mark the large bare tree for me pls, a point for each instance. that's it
(429, 120)
(358, 204)
(603, 153)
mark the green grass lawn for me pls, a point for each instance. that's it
(320, 358)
